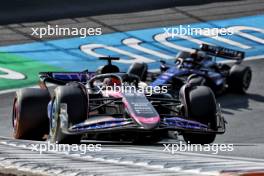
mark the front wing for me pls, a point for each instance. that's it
(112, 124)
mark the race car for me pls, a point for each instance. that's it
(86, 105)
(201, 66)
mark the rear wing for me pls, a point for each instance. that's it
(223, 52)
(61, 78)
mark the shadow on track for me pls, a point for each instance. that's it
(238, 101)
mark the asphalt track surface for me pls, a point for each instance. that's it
(244, 113)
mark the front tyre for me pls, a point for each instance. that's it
(76, 100)
(29, 118)
(193, 138)
(139, 69)
(200, 105)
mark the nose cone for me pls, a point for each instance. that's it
(148, 123)
(141, 110)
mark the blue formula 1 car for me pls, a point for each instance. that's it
(201, 67)
(85, 105)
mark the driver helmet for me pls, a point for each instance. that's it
(188, 62)
(112, 81)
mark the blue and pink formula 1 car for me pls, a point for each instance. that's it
(201, 67)
(83, 105)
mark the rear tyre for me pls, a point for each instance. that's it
(239, 79)
(29, 118)
(76, 101)
(200, 105)
(139, 69)
(183, 55)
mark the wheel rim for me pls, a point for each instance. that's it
(246, 80)
(15, 116)
(53, 121)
